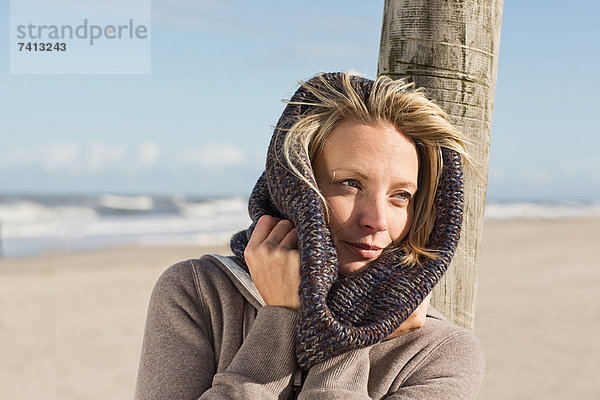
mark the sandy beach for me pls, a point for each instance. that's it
(71, 325)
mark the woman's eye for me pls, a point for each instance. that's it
(403, 196)
(351, 183)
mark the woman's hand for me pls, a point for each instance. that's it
(274, 261)
(415, 321)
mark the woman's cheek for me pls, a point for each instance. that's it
(340, 210)
(403, 224)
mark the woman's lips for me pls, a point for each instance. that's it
(364, 250)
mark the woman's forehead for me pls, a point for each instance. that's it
(369, 150)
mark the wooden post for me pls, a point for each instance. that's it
(450, 48)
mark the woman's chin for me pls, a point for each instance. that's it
(352, 268)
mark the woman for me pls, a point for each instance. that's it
(356, 218)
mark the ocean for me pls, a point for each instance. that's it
(30, 225)
(35, 224)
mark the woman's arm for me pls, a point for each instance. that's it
(451, 369)
(193, 336)
(191, 319)
(177, 359)
(345, 376)
(264, 365)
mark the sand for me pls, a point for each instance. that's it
(71, 325)
(538, 309)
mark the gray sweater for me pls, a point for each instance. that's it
(204, 339)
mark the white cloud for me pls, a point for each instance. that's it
(60, 156)
(99, 156)
(148, 153)
(214, 156)
(82, 158)
(53, 157)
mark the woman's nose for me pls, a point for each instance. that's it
(373, 214)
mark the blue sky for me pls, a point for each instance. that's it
(200, 122)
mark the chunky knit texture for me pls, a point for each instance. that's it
(339, 313)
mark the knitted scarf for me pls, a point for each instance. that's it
(340, 313)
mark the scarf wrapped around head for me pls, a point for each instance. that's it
(340, 313)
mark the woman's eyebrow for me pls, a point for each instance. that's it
(406, 183)
(354, 172)
(401, 182)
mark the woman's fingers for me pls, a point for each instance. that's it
(279, 233)
(263, 228)
(290, 241)
(274, 232)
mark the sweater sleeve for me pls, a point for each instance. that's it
(345, 376)
(452, 369)
(264, 365)
(179, 359)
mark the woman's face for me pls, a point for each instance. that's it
(368, 175)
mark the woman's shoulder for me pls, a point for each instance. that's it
(438, 349)
(198, 279)
(186, 269)
(437, 340)
(437, 332)
(439, 335)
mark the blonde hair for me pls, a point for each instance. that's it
(388, 101)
